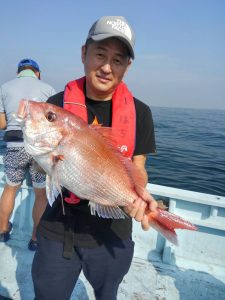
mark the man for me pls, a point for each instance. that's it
(102, 248)
(27, 85)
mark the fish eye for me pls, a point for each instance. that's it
(50, 116)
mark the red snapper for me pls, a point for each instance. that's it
(83, 159)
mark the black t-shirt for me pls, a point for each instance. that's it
(88, 230)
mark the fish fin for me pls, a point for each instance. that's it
(55, 174)
(166, 223)
(170, 235)
(108, 212)
(172, 221)
(51, 190)
(54, 185)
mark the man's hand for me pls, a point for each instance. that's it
(137, 211)
(138, 208)
(2, 120)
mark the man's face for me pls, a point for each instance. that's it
(105, 64)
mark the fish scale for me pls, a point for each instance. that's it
(116, 194)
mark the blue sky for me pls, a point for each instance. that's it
(180, 45)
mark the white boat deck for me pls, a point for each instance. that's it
(193, 271)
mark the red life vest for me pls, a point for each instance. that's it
(123, 116)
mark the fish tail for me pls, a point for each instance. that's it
(166, 223)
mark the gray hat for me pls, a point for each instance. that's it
(113, 26)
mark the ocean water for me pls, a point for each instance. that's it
(190, 149)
